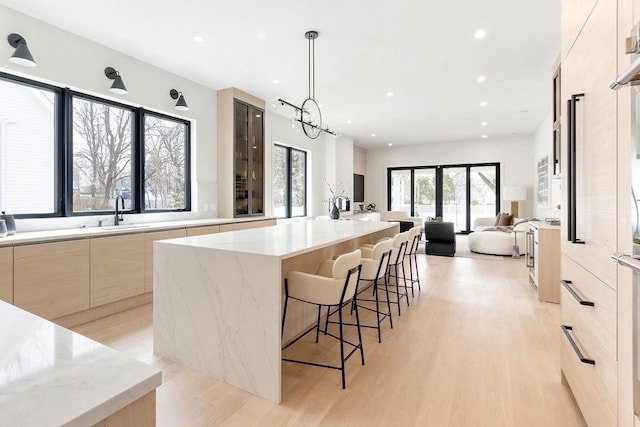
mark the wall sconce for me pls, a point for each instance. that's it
(181, 104)
(21, 56)
(118, 85)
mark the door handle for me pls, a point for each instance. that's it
(572, 163)
(567, 286)
(583, 359)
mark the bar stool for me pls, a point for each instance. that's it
(335, 284)
(399, 247)
(411, 254)
(375, 262)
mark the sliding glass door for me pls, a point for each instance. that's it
(454, 193)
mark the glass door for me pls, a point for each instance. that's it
(241, 158)
(257, 161)
(454, 197)
(400, 194)
(424, 193)
(483, 182)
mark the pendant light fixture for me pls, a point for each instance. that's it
(118, 85)
(309, 114)
(22, 55)
(181, 104)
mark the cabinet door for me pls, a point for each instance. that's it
(587, 69)
(52, 279)
(117, 268)
(242, 172)
(149, 238)
(6, 274)
(573, 16)
(246, 225)
(257, 161)
(199, 231)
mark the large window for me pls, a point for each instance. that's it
(454, 193)
(165, 172)
(289, 182)
(28, 149)
(102, 155)
(65, 153)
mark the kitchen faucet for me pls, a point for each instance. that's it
(118, 214)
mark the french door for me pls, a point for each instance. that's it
(454, 193)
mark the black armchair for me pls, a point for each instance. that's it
(440, 237)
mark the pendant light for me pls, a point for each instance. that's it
(309, 114)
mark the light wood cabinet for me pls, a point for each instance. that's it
(543, 256)
(247, 225)
(52, 279)
(199, 231)
(117, 268)
(149, 238)
(6, 274)
(573, 14)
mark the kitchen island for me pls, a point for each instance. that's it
(218, 298)
(52, 376)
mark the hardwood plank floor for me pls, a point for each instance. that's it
(475, 348)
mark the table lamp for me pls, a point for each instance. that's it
(515, 193)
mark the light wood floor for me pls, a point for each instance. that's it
(475, 348)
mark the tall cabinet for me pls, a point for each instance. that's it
(240, 154)
(590, 173)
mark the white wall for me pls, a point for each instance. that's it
(543, 146)
(67, 60)
(515, 156)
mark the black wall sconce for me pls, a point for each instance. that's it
(22, 55)
(181, 104)
(118, 85)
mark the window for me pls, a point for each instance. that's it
(102, 155)
(165, 167)
(289, 182)
(110, 150)
(455, 193)
(28, 148)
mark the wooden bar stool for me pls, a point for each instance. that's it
(375, 262)
(335, 284)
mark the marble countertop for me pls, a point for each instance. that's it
(285, 240)
(125, 228)
(50, 375)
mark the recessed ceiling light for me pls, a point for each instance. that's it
(524, 111)
(481, 79)
(483, 124)
(198, 39)
(389, 94)
(349, 121)
(479, 34)
(484, 136)
(276, 81)
(390, 144)
(373, 135)
(483, 104)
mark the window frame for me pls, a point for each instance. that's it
(289, 184)
(63, 151)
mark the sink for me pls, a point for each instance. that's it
(122, 227)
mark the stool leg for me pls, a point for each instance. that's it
(344, 381)
(360, 335)
(415, 260)
(395, 268)
(404, 279)
(326, 325)
(411, 276)
(386, 289)
(284, 314)
(375, 285)
(318, 323)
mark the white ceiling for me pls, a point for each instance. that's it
(421, 50)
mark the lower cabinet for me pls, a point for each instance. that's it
(149, 238)
(6, 274)
(589, 343)
(247, 225)
(52, 279)
(199, 231)
(117, 268)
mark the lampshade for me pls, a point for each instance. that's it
(22, 55)
(515, 192)
(181, 104)
(118, 85)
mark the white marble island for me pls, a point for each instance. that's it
(50, 375)
(218, 298)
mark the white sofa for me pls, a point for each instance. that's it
(496, 242)
(401, 216)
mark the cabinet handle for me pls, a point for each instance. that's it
(583, 359)
(567, 286)
(571, 159)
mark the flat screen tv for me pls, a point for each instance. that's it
(358, 188)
